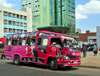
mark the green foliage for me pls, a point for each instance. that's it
(0, 50)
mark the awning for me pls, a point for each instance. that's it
(58, 29)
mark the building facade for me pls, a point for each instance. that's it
(98, 36)
(15, 21)
(87, 37)
(52, 13)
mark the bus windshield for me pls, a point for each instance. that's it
(69, 42)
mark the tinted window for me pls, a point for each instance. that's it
(21, 42)
(14, 42)
(30, 42)
(8, 42)
(42, 42)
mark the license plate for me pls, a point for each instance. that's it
(75, 61)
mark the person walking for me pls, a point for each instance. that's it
(84, 50)
(95, 49)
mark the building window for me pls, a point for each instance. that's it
(25, 17)
(10, 22)
(10, 30)
(25, 30)
(0, 11)
(29, 3)
(25, 24)
(17, 16)
(6, 13)
(23, 5)
(17, 23)
(14, 15)
(5, 30)
(10, 14)
(5, 21)
(21, 24)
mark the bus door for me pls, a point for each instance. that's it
(30, 45)
(7, 46)
(56, 48)
(42, 45)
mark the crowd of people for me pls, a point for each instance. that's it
(85, 49)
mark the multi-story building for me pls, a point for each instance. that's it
(15, 21)
(50, 13)
(87, 37)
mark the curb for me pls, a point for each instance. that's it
(96, 67)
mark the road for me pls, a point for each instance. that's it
(8, 68)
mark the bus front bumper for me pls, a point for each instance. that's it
(70, 63)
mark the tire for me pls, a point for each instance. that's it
(17, 60)
(53, 64)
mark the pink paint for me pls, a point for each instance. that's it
(39, 54)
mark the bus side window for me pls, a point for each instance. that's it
(42, 43)
(39, 41)
(56, 42)
(22, 42)
(14, 42)
(8, 42)
(30, 41)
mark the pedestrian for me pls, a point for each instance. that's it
(2, 55)
(84, 50)
(95, 49)
(99, 50)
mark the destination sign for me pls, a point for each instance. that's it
(32, 34)
(15, 36)
(22, 35)
(43, 34)
(9, 36)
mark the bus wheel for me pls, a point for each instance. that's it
(53, 64)
(17, 60)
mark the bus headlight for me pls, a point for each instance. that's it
(66, 57)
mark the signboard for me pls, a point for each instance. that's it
(53, 34)
(15, 36)
(43, 34)
(45, 42)
(22, 35)
(9, 36)
(67, 38)
(31, 34)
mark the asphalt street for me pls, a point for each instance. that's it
(8, 68)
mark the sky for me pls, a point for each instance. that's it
(87, 12)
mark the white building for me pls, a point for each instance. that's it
(78, 30)
(98, 36)
(15, 21)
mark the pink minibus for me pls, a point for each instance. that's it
(42, 47)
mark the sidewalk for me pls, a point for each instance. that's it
(90, 60)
